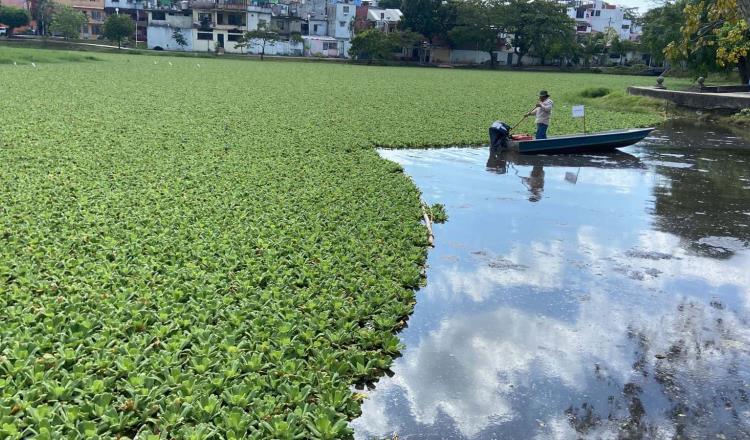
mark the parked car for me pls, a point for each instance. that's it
(3, 30)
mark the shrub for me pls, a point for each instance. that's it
(595, 92)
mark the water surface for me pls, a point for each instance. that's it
(579, 296)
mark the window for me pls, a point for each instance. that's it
(582, 28)
(597, 13)
(345, 9)
(219, 18)
(329, 46)
(315, 28)
(234, 37)
(205, 35)
(96, 15)
(235, 20)
(382, 15)
(158, 15)
(342, 24)
(96, 29)
(626, 26)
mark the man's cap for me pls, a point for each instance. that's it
(543, 93)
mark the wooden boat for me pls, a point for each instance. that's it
(581, 143)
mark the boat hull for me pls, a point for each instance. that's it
(581, 143)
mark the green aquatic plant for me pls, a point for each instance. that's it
(218, 263)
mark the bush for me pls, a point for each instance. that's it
(595, 92)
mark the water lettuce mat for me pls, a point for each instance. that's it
(213, 248)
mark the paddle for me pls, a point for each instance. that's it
(522, 119)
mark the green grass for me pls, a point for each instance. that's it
(21, 56)
(218, 251)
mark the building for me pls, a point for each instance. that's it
(321, 46)
(218, 25)
(340, 24)
(135, 9)
(162, 24)
(384, 20)
(94, 11)
(599, 16)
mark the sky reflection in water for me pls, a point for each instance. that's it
(570, 296)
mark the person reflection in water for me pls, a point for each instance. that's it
(499, 162)
(535, 183)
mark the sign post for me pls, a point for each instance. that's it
(579, 112)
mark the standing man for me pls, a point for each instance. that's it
(543, 111)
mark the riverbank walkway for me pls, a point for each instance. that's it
(730, 101)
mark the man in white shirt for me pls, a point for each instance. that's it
(543, 111)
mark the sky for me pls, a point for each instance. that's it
(642, 5)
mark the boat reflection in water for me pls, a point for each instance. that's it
(615, 305)
(502, 161)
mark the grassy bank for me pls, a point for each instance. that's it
(212, 248)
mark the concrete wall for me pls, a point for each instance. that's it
(697, 100)
(280, 48)
(161, 36)
(256, 15)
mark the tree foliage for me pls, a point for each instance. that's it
(661, 26)
(41, 12)
(262, 36)
(373, 44)
(13, 17)
(431, 18)
(389, 4)
(716, 28)
(118, 27)
(478, 26)
(67, 21)
(179, 38)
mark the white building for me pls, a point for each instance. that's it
(162, 25)
(321, 46)
(599, 16)
(341, 24)
(384, 20)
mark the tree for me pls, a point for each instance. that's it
(41, 12)
(533, 24)
(265, 36)
(718, 28)
(660, 27)
(371, 44)
(179, 38)
(67, 22)
(118, 27)
(477, 27)
(591, 45)
(389, 4)
(431, 18)
(13, 17)
(620, 47)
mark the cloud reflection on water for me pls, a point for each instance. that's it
(582, 315)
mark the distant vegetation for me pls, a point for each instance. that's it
(9, 55)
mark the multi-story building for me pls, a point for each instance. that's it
(218, 25)
(599, 16)
(135, 9)
(340, 17)
(94, 11)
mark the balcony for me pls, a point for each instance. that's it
(231, 5)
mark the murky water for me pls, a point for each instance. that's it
(579, 296)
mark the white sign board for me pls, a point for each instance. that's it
(577, 111)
